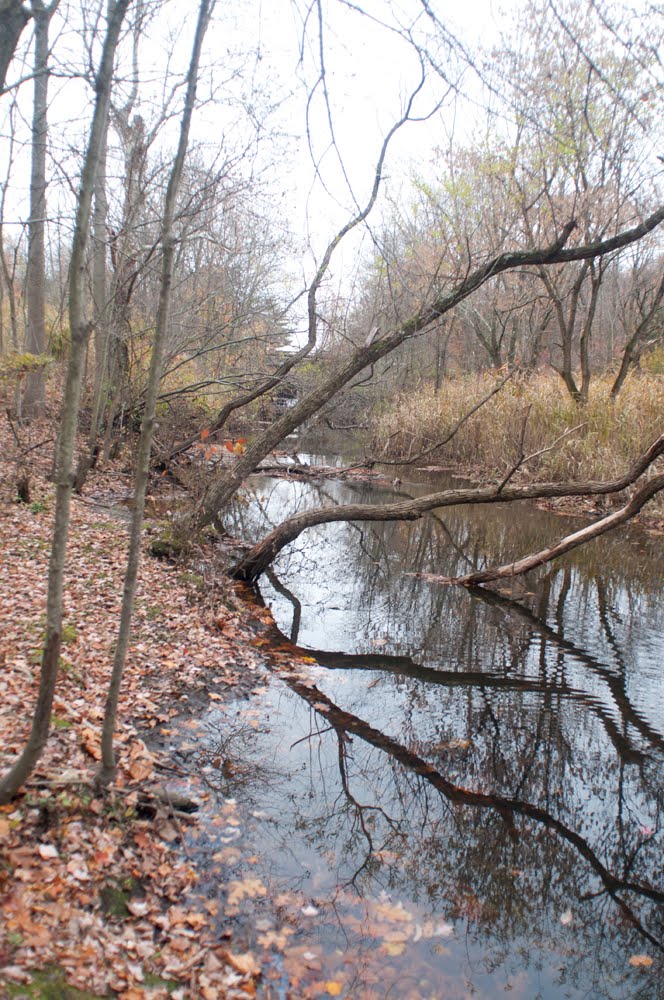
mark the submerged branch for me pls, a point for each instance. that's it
(573, 541)
(257, 559)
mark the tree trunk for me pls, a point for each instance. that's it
(566, 325)
(230, 481)
(609, 523)
(13, 19)
(168, 241)
(24, 765)
(633, 345)
(586, 333)
(35, 292)
(87, 458)
(258, 558)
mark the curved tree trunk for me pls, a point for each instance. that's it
(258, 558)
(634, 344)
(13, 18)
(573, 541)
(230, 481)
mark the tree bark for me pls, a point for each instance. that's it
(573, 541)
(258, 558)
(586, 332)
(633, 345)
(225, 488)
(24, 765)
(13, 19)
(35, 293)
(168, 240)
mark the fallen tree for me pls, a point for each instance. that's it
(260, 556)
(377, 347)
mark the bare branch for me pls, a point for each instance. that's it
(573, 541)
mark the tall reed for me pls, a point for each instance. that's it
(611, 435)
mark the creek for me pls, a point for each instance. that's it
(462, 794)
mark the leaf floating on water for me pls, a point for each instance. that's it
(333, 988)
(394, 912)
(641, 961)
(438, 930)
(245, 963)
(567, 918)
(456, 744)
(394, 948)
(247, 888)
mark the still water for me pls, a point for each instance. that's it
(462, 794)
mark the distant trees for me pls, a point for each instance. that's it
(35, 338)
(572, 130)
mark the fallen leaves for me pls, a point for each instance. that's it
(246, 888)
(47, 851)
(641, 961)
(66, 852)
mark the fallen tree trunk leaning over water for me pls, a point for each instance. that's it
(258, 558)
(380, 345)
(626, 513)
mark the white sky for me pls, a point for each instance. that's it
(369, 73)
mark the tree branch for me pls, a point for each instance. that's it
(573, 541)
(256, 560)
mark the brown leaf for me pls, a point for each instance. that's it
(245, 963)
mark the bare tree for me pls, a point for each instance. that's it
(168, 244)
(647, 306)
(80, 330)
(381, 345)
(35, 293)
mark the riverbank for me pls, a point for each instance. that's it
(530, 418)
(98, 894)
(127, 896)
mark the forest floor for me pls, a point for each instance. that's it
(98, 894)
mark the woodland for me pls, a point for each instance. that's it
(200, 259)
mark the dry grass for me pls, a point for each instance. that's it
(611, 437)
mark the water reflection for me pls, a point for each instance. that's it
(489, 762)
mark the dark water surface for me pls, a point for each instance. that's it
(463, 795)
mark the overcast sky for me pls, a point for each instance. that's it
(253, 57)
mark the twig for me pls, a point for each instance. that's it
(524, 459)
(455, 429)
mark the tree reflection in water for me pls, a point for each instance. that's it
(492, 762)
